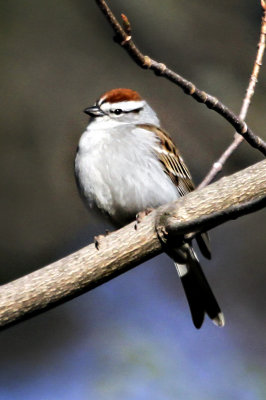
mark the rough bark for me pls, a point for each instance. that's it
(203, 209)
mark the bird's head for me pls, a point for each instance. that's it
(122, 106)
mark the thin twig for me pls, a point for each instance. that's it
(229, 198)
(238, 139)
(189, 88)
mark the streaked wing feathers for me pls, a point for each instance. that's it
(177, 170)
(171, 160)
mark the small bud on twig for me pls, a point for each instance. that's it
(126, 24)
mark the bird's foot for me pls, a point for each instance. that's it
(99, 238)
(141, 215)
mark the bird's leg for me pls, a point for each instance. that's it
(141, 215)
(98, 239)
(178, 250)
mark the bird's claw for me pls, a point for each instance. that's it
(141, 215)
(98, 239)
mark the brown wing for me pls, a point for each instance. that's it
(175, 167)
(173, 163)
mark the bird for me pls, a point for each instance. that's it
(127, 163)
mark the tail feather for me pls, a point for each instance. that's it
(199, 295)
(204, 244)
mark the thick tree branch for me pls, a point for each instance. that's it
(123, 38)
(230, 197)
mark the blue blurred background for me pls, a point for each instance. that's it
(131, 338)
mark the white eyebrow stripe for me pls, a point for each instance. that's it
(101, 100)
(124, 105)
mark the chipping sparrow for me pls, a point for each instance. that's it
(126, 163)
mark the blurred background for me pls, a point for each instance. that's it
(131, 338)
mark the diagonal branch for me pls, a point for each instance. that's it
(238, 139)
(229, 198)
(122, 37)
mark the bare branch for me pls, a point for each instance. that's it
(238, 139)
(230, 197)
(189, 88)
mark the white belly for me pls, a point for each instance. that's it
(119, 177)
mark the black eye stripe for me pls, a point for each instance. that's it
(137, 110)
(118, 111)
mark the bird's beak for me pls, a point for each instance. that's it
(94, 111)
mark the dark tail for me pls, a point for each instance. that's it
(199, 295)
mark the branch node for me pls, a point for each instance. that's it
(147, 62)
(127, 39)
(203, 97)
(217, 166)
(211, 102)
(160, 69)
(192, 89)
(254, 79)
(244, 128)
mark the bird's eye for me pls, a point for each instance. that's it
(117, 111)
